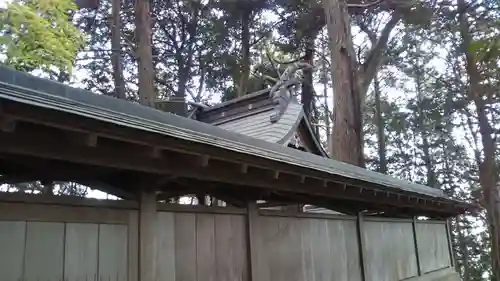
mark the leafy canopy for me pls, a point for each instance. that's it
(39, 34)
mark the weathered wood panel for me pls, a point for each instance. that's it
(12, 242)
(308, 249)
(201, 247)
(390, 251)
(205, 247)
(165, 253)
(44, 257)
(432, 243)
(185, 247)
(133, 246)
(63, 242)
(80, 252)
(231, 252)
(113, 252)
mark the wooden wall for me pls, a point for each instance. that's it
(300, 249)
(201, 247)
(394, 241)
(60, 244)
(433, 248)
(55, 242)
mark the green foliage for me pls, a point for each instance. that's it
(487, 49)
(39, 34)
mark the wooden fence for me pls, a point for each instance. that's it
(87, 240)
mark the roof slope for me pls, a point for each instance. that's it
(258, 125)
(255, 115)
(27, 89)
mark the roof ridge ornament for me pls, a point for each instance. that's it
(280, 93)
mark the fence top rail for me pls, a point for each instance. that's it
(431, 221)
(179, 208)
(67, 200)
(276, 213)
(387, 219)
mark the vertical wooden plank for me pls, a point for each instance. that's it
(450, 245)
(133, 246)
(185, 247)
(44, 257)
(12, 242)
(350, 234)
(362, 249)
(224, 252)
(284, 261)
(80, 252)
(321, 249)
(147, 237)
(205, 247)
(415, 242)
(264, 230)
(339, 251)
(277, 227)
(239, 239)
(310, 237)
(253, 245)
(165, 269)
(292, 258)
(344, 250)
(113, 252)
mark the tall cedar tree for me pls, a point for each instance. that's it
(488, 170)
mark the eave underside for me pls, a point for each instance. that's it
(43, 144)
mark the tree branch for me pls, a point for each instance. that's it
(372, 62)
(371, 35)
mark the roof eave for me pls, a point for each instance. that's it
(125, 115)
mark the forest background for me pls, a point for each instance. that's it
(428, 79)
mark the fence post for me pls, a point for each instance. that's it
(361, 247)
(417, 256)
(147, 236)
(450, 243)
(252, 242)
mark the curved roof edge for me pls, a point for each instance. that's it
(303, 121)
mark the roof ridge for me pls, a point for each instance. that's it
(236, 100)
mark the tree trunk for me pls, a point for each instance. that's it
(307, 91)
(245, 52)
(346, 145)
(144, 54)
(487, 169)
(185, 60)
(324, 74)
(373, 60)
(382, 155)
(431, 176)
(116, 50)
